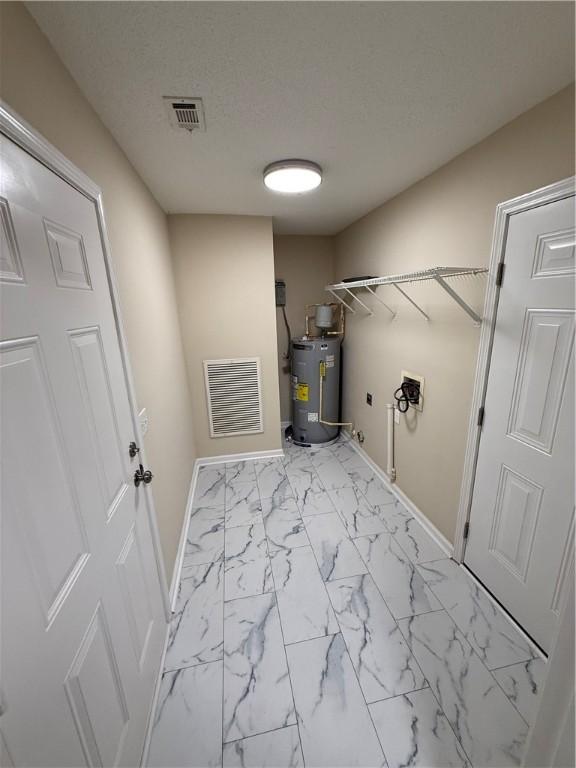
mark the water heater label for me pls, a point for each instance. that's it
(302, 392)
(329, 361)
(312, 417)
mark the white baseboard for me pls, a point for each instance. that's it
(173, 594)
(154, 703)
(251, 455)
(424, 521)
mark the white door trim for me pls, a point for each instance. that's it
(26, 137)
(550, 194)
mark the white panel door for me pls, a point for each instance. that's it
(522, 516)
(82, 612)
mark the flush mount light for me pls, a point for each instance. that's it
(292, 177)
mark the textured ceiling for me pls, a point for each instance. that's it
(380, 94)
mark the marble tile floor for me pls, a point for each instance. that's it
(318, 624)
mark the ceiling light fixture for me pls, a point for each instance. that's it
(292, 177)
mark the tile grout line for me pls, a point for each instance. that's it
(411, 653)
(342, 635)
(480, 659)
(312, 467)
(284, 646)
(413, 565)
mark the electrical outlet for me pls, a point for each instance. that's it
(143, 416)
(415, 379)
(368, 398)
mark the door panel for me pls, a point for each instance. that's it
(522, 512)
(10, 263)
(516, 512)
(83, 619)
(135, 592)
(96, 694)
(55, 561)
(96, 390)
(544, 362)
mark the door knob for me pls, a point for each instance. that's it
(142, 476)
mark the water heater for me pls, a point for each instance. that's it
(315, 389)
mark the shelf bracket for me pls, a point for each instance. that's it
(355, 298)
(459, 300)
(380, 300)
(338, 298)
(410, 300)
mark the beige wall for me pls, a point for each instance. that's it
(35, 83)
(306, 264)
(225, 283)
(446, 220)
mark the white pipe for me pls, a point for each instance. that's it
(390, 469)
(320, 418)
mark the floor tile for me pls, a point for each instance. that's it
(284, 525)
(383, 662)
(210, 486)
(375, 491)
(305, 610)
(270, 475)
(357, 515)
(205, 536)
(295, 456)
(303, 480)
(335, 552)
(282, 492)
(401, 586)
(335, 725)
(394, 515)
(242, 505)
(331, 473)
(488, 630)
(247, 568)
(196, 630)
(484, 720)
(314, 503)
(414, 732)
(414, 540)
(240, 472)
(347, 456)
(339, 564)
(187, 727)
(522, 683)
(257, 693)
(276, 749)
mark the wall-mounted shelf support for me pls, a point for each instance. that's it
(411, 301)
(341, 300)
(459, 300)
(438, 274)
(373, 292)
(355, 298)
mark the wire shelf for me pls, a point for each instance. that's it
(438, 274)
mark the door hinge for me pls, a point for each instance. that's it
(466, 529)
(500, 274)
(480, 416)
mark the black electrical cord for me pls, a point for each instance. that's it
(289, 348)
(408, 394)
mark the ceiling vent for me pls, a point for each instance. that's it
(234, 393)
(185, 113)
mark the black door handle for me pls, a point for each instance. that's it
(141, 476)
